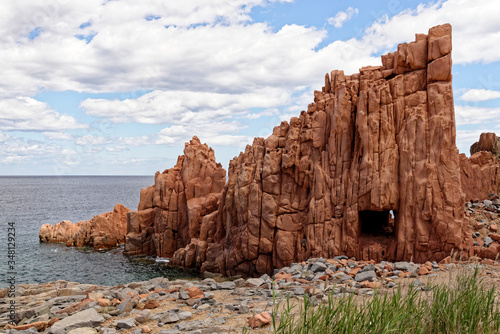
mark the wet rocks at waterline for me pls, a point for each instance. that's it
(102, 231)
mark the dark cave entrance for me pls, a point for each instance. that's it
(377, 223)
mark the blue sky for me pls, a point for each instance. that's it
(117, 87)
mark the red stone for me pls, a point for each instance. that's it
(151, 304)
(103, 231)
(103, 302)
(39, 325)
(259, 320)
(354, 271)
(494, 236)
(423, 270)
(195, 292)
(282, 275)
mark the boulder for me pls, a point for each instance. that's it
(259, 320)
(86, 318)
(143, 316)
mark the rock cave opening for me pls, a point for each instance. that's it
(377, 223)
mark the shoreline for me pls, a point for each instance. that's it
(160, 305)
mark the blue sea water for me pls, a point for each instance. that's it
(31, 201)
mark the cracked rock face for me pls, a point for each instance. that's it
(372, 145)
(370, 170)
(480, 173)
(178, 210)
(487, 142)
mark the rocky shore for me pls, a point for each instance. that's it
(214, 304)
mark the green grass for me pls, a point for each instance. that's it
(463, 307)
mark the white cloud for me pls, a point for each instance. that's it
(214, 135)
(134, 141)
(476, 29)
(210, 46)
(26, 113)
(90, 140)
(470, 115)
(182, 107)
(15, 150)
(478, 95)
(3, 137)
(91, 143)
(210, 116)
(341, 17)
(56, 135)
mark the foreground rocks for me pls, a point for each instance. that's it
(103, 231)
(484, 219)
(214, 305)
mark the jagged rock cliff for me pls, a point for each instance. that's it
(480, 174)
(172, 212)
(325, 183)
(488, 142)
(102, 231)
(373, 145)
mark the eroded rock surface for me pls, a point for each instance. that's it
(372, 145)
(487, 142)
(103, 231)
(179, 209)
(480, 175)
(370, 170)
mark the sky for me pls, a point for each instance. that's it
(116, 87)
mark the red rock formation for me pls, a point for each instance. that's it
(480, 174)
(177, 209)
(324, 184)
(372, 145)
(487, 142)
(103, 231)
(60, 232)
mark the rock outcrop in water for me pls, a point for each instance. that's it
(103, 231)
(179, 209)
(373, 145)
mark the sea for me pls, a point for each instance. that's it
(28, 202)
